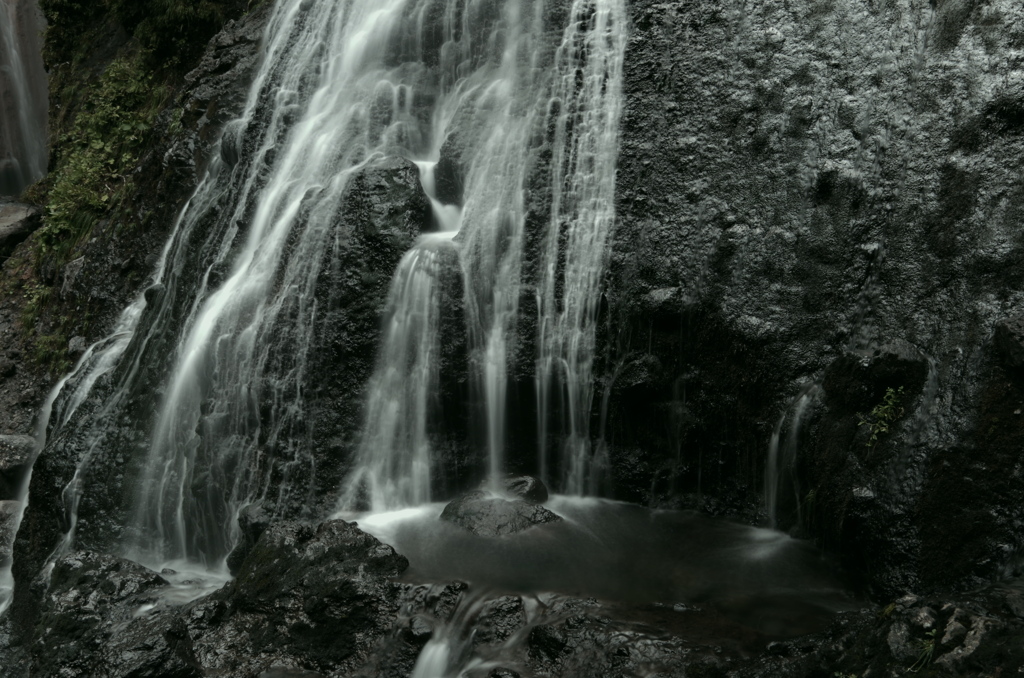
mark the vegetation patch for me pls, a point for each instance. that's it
(883, 415)
(113, 66)
(99, 151)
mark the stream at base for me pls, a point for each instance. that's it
(631, 558)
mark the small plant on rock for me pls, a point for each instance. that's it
(927, 652)
(883, 415)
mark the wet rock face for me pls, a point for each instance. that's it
(16, 454)
(385, 211)
(795, 187)
(978, 636)
(108, 272)
(321, 597)
(88, 621)
(9, 512)
(253, 521)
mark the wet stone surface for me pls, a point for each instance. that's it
(487, 515)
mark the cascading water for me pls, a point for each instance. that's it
(204, 387)
(500, 109)
(782, 455)
(23, 96)
(394, 462)
(224, 334)
(588, 97)
(339, 101)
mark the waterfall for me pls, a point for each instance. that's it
(331, 100)
(202, 389)
(394, 459)
(502, 107)
(23, 96)
(782, 455)
(588, 104)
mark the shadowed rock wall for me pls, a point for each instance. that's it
(826, 192)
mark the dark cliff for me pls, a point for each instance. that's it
(830, 193)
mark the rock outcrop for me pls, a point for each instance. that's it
(318, 599)
(495, 512)
(17, 222)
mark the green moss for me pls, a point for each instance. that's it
(51, 352)
(98, 152)
(65, 21)
(171, 33)
(113, 65)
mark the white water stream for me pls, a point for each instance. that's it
(588, 96)
(782, 455)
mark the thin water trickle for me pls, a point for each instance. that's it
(782, 455)
(60, 406)
(23, 96)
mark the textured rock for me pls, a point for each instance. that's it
(15, 451)
(77, 346)
(308, 601)
(801, 185)
(15, 454)
(492, 516)
(9, 512)
(316, 597)
(87, 625)
(17, 222)
(253, 521)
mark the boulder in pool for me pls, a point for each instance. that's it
(490, 515)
